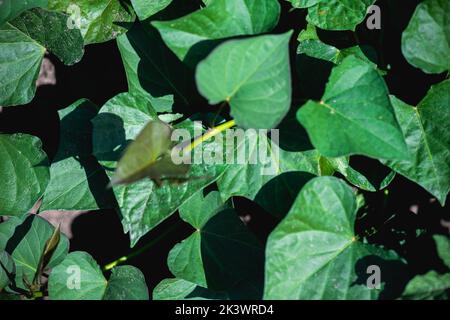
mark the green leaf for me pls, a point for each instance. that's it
(152, 69)
(179, 289)
(252, 75)
(247, 176)
(220, 19)
(7, 269)
(23, 43)
(314, 253)
(25, 240)
(143, 204)
(126, 283)
(77, 181)
(99, 20)
(342, 165)
(334, 14)
(78, 277)
(443, 248)
(428, 286)
(23, 171)
(426, 40)
(221, 252)
(145, 9)
(9, 9)
(427, 132)
(355, 115)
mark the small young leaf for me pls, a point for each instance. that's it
(25, 240)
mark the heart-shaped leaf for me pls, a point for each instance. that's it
(427, 135)
(221, 252)
(23, 43)
(253, 76)
(314, 253)
(145, 9)
(355, 115)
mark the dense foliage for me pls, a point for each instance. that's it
(312, 69)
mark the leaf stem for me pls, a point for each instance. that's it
(208, 135)
(145, 248)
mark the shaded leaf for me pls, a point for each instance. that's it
(126, 283)
(220, 19)
(9, 9)
(143, 204)
(25, 240)
(314, 253)
(428, 286)
(221, 252)
(7, 269)
(77, 181)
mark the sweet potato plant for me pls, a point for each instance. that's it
(294, 110)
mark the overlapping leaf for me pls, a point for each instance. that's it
(335, 14)
(23, 171)
(77, 181)
(79, 277)
(25, 240)
(23, 43)
(314, 253)
(355, 115)
(427, 133)
(220, 19)
(152, 69)
(143, 204)
(9, 9)
(99, 20)
(253, 76)
(221, 252)
(7, 269)
(145, 9)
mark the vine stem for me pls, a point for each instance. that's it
(145, 248)
(208, 135)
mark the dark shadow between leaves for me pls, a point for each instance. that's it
(230, 252)
(393, 274)
(278, 195)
